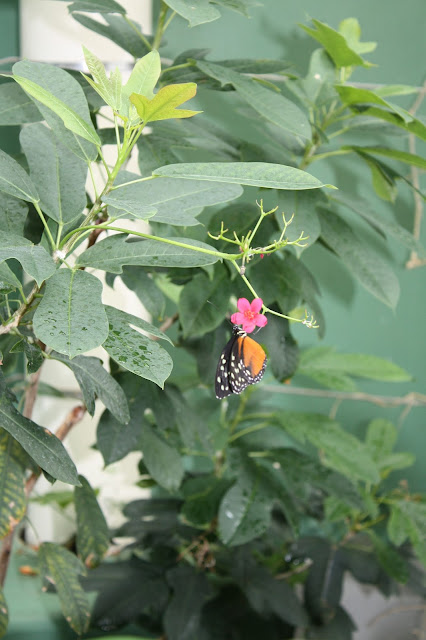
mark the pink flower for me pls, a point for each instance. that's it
(248, 314)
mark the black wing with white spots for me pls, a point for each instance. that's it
(241, 363)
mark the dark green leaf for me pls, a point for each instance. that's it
(145, 288)
(282, 349)
(4, 614)
(257, 174)
(196, 14)
(114, 252)
(95, 381)
(373, 273)
(40, 443)
(202, 498)
(302, 204)
(336, 44)
(191, 589)
(16, 107)
(12, 486)
(14, 180)
(13, 213)
(389, 558)
(161, 459)
(62, 568)
(395, 154)
(71, 318)
(134, 351)
(121, 30)
(271, 105)
(204, 301)
(92, 529)
(34, 356)
(60, 177)
(34, 259)
(96, 6)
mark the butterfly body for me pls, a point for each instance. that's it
(241, 363)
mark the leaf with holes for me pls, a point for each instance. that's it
(12, 483)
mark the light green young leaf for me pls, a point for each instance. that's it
(163, 105)
(71, 318)
(351, 30)
(34, 258)
(12, 485)
(16, 107)
(62, 85)
(92, 529)
(134, 351)
(70, 118)
(336, 44)
(271, 105)
(42, 445)
(108, 88)
(15, 181)
(408, 158)
(415, 126)
(381, 437)
(170, 200)
(383, 183)
(144, 76)
(256, 174)
(60, 177)
(114, 252)
(95, 381)
(60, 567)
(196, 13)
(162, 460)
(354, 95)
(373, 273)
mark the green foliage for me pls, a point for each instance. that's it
(247, 498)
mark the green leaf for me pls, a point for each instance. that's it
(191, 589)
(415, 519)
(163, 105)
(40, 443)
(59, 176)
(397, 528)
(71, 318)
(196, 14)
(395, 154)
(12, 485)
(62, 568)
(338, 47)
(34, 356)
(414, 126)
(270, 105)
(66, 90)
(383, 182)
(144, 76)
(13, 213)
(204, 301)
(15, 181)
(161, 459)
(108, 88)
(302, 204)
(389, 558)
(257, 174)
(245, 510)
(114, 252)
(119, 29)
(96, 6)
(363, 208)
(170, 200)
(351, 30)
(34, 258)
(8, 281)
(318, 85)
(381, 437)
(95, 381)
(373, 273)
(92, 529)
(354, 95)
(282, 349)
(4, 614)
(341, 451)
(135, 351)
(16, 107)
(140, 282)
(202, 497)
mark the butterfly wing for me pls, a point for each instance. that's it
(247, 364)
(222, 387)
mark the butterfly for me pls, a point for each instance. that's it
(241, 363)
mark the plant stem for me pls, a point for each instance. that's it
(138, 33)
(46, 228)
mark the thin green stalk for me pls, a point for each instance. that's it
(329, 154)
(139, 33)
(175, 67)
(244, 432)
(160, 26)
(46, 227)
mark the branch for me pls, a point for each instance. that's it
(412, 399)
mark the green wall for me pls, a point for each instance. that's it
(9, 46)
(355, 321)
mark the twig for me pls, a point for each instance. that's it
(397, 609)
(168, 322)
(31, 394)
(414, 260)
(294, 572)
(412, 399)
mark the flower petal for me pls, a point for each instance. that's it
(243, 305)
(237, 318)
(261, 320)
(256, 305)
(249, 326)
